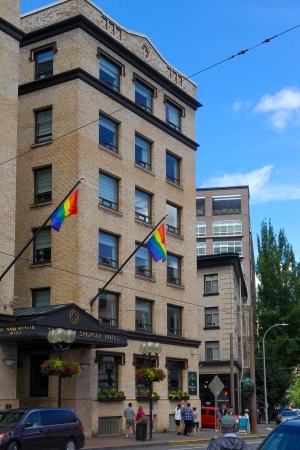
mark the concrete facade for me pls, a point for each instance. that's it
(78, 32)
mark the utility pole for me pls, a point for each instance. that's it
(252, 372)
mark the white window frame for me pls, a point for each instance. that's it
(200, 246)
(224, 226)
(223, 245)
(200, 226)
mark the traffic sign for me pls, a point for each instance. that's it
(216, 386)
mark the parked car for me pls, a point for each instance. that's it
(40, 428)
(208, 414)
(284, 437)
(287, 415)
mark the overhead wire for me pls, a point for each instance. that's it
(240, 53)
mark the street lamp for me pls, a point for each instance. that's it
(60, 340)
(152, 350)
(264, 360)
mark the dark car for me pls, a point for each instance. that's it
(40, 429)
(284, 437)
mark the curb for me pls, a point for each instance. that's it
(166, 443)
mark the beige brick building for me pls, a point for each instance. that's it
(100, 102)
(226, 287)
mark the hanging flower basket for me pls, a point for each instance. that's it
(60, 367)
(146, 375)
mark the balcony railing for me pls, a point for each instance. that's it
(223, 212)
(108, 145)
(142, 217)
(108, 203)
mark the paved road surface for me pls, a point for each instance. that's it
(253, 442)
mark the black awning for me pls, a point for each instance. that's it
(24, 327)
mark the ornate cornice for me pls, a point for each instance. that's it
(81, 74)
(104, 37)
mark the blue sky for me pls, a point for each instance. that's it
(249, 126)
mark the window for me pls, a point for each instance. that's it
(173, 115)
(200, 206)
(109, 73)
(108, 309)
(173, 219)
(108, 134)
(143, 262)
(210, 284)
(174, 320)
(173, 269)
(108, 191)
(200, 229)
(42, 247)
(40, 297)
(44, 63)
(227, 227)
(212, 351)
(38, 383)
(172, 169)
(43, 125)
(108, 250)
(201, 248)
(108, 366)
(142, 206)
(226, 205)
(212, 317)
(142, 153)
(175, 369)
(143, 315)
(143, 96)
(227, 247)
(43, 185)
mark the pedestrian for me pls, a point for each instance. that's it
(196, 421)
(183, 406)
(229, 439)
(188, 420)
(140, 413)
(129, 417)
(178, 418)
(258, 415)
(218, 419)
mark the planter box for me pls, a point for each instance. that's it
(183, 397)
(112, 399)
(141, 398)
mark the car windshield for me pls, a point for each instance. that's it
(10, 419)
(284, 438)
(289, 414)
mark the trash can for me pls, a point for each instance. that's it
(141, 432)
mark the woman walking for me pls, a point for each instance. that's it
(178, 418)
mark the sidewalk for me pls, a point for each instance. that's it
(169, 438)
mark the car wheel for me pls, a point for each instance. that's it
(71, 444)
(12, 446)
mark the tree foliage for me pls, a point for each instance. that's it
(278, 302)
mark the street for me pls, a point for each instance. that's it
(253, 442)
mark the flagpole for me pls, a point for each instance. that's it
(124, 263)
(38, 231)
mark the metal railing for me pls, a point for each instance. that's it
(109, 425)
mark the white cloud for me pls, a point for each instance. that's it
(284, 106)
(261, 189)
(237, 106)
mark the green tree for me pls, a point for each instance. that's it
(293, 393)
(278, 302)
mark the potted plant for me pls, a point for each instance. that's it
(150, 375)
(60, 367)
(144, 395)
(112, 395)
(178, 395)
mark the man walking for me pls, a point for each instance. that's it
(230, 439)
(188, 420)
(129, 417)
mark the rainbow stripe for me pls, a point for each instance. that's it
(157, 244)
(67, 209)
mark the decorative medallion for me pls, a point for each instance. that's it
(145, 50)
(74, 316)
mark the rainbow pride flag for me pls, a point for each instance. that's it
(157, 244)
(67, 209)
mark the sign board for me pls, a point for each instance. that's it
(247, 380)
(243, 425)
(216, 386)
(192, 383)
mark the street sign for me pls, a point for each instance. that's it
(247, 380)
(216, 386)
(192, 383)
